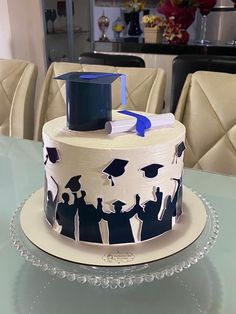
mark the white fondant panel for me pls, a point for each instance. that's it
(186, 231)
(87, 154)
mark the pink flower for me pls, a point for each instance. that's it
(182, 15)
(175, 34)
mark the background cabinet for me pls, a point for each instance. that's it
(68, 30)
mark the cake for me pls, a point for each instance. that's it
(110, 189)
(116, 189)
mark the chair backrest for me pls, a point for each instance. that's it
(17, 91)
(111, 59)
(184, 64)
(145, 88)
(207, 108)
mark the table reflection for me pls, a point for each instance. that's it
(196, 290)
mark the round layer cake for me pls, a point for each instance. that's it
(112, 189)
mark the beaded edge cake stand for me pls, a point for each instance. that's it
(123, 276)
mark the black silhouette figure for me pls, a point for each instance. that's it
(179, 199)
(170, 209)
(115, 169)
(120, 230)
(51, 204)
(52, 155)
(151, 171)
(89, 218)
(171, 204)
(73, 184)
(66, 215)
(151, 226)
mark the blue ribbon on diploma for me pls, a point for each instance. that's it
(142, 124)
(122, 77)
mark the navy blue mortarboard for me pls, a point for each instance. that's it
(115, 169)
(52, 155)
(151, 171)
(118, 203)
(88, 97)
(180, 149)
(73, 184)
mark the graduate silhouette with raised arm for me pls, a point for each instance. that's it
(172, 202)
(89, 218)
(51, 204)
(179, 198)
(119, 227)
(66, 212)
(170, 209)
(151, 226)
(66, 215)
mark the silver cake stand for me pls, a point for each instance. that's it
(123, 276)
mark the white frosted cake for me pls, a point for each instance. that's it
(112, 189)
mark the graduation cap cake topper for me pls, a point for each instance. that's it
(115, 169)
(89, 100)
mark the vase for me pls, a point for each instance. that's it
(134, 28)
(103, 24)
(152, 35)
(118, 26)
(205, 7)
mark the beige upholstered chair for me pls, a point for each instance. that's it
(17, 90)
(145, 90)
(207, 107)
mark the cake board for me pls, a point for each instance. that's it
(189, 227)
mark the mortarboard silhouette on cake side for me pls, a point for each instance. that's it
(179, 149)
(89, 99)
(73, 184)
(52, 155)
(115, 169)
(151, 171)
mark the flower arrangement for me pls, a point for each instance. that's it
(153, 28)
(182, 10)
(174, 33)
(180, 14)
(135, 6)
(182, 3)
(153, 21)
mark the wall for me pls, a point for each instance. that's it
(5, 31)
(27, 35)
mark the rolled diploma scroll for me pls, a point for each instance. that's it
(126, 125)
